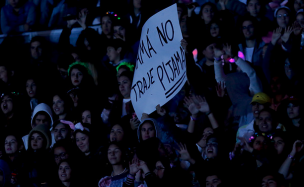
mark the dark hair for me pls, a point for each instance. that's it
(127, 74)
(87, 80)
(43, 137)
(213, 6)
(64, 60)
(66, 144)
(66, 99)
(17, 136)
(254, 22)
(123, 152)
(118, 43)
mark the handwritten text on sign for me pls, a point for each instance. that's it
(160, 70)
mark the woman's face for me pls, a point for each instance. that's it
(256, 108)
(214, 30)
(283, 18)
(213, 181)
(114, 155)
(60, 154)
(207, 14)
(147, 131)
(106, 25)
(259, 143)
(269, 181)
(7, 105)
(82, 142)
(31, 88)
(300, 19)
(279, 144)
(86, 117)
(58, 105)
(3, 74)
(159, 170)
(120, 30)
(37, 141)
(212, 148)
(76, 77)
(11, 145)
(254, 8)
(248, 29)
(116, 134)
(293, 111)
(298, 4)
(265, 121)
(64, 172)
(124, 86)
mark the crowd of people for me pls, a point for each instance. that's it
(236, 122)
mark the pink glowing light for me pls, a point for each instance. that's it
(241, 55)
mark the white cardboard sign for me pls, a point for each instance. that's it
(160, 71)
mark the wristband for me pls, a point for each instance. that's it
(291, 157)
(217, 59)
(208, 113)
(192, 118)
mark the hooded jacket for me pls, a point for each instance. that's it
(45, 132)
(42, 107)
(6, 173)
(154, 122)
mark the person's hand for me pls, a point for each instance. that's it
(220, 89)
(143, 166)
(204, 106)
(218, 53)
(297, 147)
(144, 116)
(184, 44)
(133, 166)
(286, 35)
(246, 146)
(183, 152)
(134, 122)
(117, 36)
(138, 175)
(297, 28)
(276, 35)
(71, 22)
(190, 10)
(161, 111)
(192, 107)
(82, 17)
(223, 4)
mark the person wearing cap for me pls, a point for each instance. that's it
(259, 102)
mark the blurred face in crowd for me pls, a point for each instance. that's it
(36, 50)
(147, 131)
(106, 25)
(288, 70)
(279, 144)
(268, 181)
(37, 141)
(124, 84)
(209, 52)
(86, 117)
(265, 121)
(64, 172)
(159, 170)
(259, 143)
(11, 145)
(114, 154)
(60, 154)
(298, 4)
(256, 108)
(183, 24)
(300, 19)
(82, 142)
(58, 105)
(137, 4)
(212, 148)
(117, 133)
(7, 105)
(283, 18)
(293, 111)
(31, 88)
(207, 14)
(214, 30)
(113, 54)
(42, 118)
(213, 181)
(254, 8)
(248, 30)
(60, 132)
(76, 77)
(120, 30)
(14, 3)
(3, 74)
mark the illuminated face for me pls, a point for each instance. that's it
(58, 105)
(37, 141)
(11, 145)
(213, 181)
(293, 111)
(211, 148)
(31, 88)
(106, 25)
(283, 18)
(207, 14)
(76, 77)
(82, 142)
(36, 50)
(214, 30)
(86, 117)
(64, 172)
(114, 155)
(254, 8)
(256, 108)
(116, 134)
(265, 121)
(279, 144)
(7, 105)
(269, 181)
(248, 29)
(147, 131)
(60, 132)
(124, 84)
(121, 31)
(112, 53)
